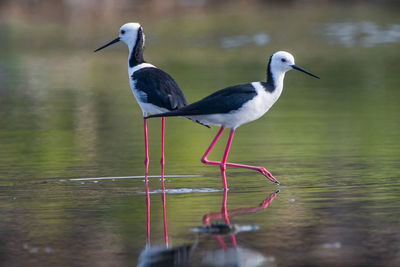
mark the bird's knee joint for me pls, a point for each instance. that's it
(223, 167)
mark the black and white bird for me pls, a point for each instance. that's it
(239, 104)
(155, 90)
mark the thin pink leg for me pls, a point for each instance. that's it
(147, 212)
(204, 157)
(146, 164)
(146, 149)
(224, 210)
(223, 162)
(260, 169)
(162, 161)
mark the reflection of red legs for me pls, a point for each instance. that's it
(148, 215)
(147, 212)
(206, 161)
(216, 215)
(164, 218)
(225, 214)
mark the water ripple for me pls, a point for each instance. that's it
(365, 33)
(130, 177)
(186, 190)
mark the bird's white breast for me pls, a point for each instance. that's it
(139, 67)
(141, 97)
(250, 111)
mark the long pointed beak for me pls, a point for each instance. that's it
(306, 72)
(110, 43)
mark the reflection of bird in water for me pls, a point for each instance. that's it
(178, 256)
(239, 104)
(234, 256)
(161, 256)
(155, 90)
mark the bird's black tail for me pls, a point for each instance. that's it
(176, 113)
(173, 113)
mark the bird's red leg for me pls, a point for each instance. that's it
(146, 149)
(162, 161)
(204, 157)
(224, 209)
(223, 162)
(146, 164)
(260, 169)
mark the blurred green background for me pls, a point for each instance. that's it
(66, 112)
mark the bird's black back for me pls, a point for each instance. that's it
(223, 101)
(160, 88)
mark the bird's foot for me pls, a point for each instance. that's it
(268, 175)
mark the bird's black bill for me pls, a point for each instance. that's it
(110, 43)
(306, 72)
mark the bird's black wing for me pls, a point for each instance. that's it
(160, 88)
(223, 101)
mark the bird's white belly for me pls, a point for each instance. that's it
(250, 111)
(141, 97)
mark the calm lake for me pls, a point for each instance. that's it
(72, 191)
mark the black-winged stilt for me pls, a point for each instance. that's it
(155, 90)
(239, 104)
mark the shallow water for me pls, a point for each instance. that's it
(72, 188)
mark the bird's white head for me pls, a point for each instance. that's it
(282, 62)
(129, 34)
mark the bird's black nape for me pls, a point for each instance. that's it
(270, 78)
(136, 56)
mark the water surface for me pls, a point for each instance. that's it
(67, 114)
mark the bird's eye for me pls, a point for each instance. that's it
(283, 59)
(122, 31)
